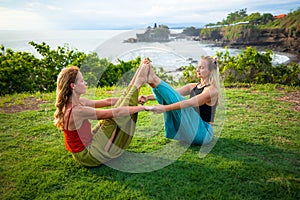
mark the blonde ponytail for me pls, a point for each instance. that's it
(214, 78)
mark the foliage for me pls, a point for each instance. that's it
(189, 75)
(233, 32)
(100, 72)
(119, 74)
(260, 19)
(287, 75)
(52, 62)
(241, 21)
(17, 72)
(235, 16)
(23, 72)
(250, 66)
(162, 74)
(265, 19)
(290, 22)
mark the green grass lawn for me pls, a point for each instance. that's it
(257, 155)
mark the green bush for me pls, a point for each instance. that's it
(23, 72)
(52, 62)
(17, 71)
(250, 66)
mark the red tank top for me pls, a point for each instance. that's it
(78, 140)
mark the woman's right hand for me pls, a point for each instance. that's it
(142, 99)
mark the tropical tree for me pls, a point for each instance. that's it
(52, 61)
(17, 73)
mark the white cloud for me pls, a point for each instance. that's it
(78, 14)
(12, 19)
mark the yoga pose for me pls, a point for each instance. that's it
(187, 119)
(116, 127)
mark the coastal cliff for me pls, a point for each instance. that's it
(279, 33)
(276, 39)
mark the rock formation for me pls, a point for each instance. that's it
(281, 40)
(156, 34)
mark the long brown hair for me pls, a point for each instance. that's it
(63, 93)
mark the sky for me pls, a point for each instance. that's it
(129, 14)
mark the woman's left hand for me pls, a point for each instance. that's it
(155, 109)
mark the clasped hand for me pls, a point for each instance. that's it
(142, 99)
(155, 109)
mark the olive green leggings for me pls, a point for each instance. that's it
(111, 136)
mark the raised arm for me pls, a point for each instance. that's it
(208, 96)
(185, 90)
(99, 103)
(85, 112)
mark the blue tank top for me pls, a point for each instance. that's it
(206, 112)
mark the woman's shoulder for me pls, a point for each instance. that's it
(211, 88)
(84, 101)
(83, 112)
(214, 94)
(82, 108)
(192, 85)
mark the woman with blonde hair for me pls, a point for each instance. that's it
(188, 119)
(116, 127)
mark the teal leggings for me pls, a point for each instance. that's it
(185, 124)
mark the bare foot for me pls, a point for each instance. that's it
(143, 62)
(153, 79)
(142, 75)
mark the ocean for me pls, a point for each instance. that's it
(110, 44)
(83, 40)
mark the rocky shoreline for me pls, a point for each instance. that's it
(276, 40)
(283, 41)
(293, 56)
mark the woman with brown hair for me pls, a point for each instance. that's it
(116, 127)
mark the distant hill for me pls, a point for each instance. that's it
(265, 31)
(265, 20)
(290, 21)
